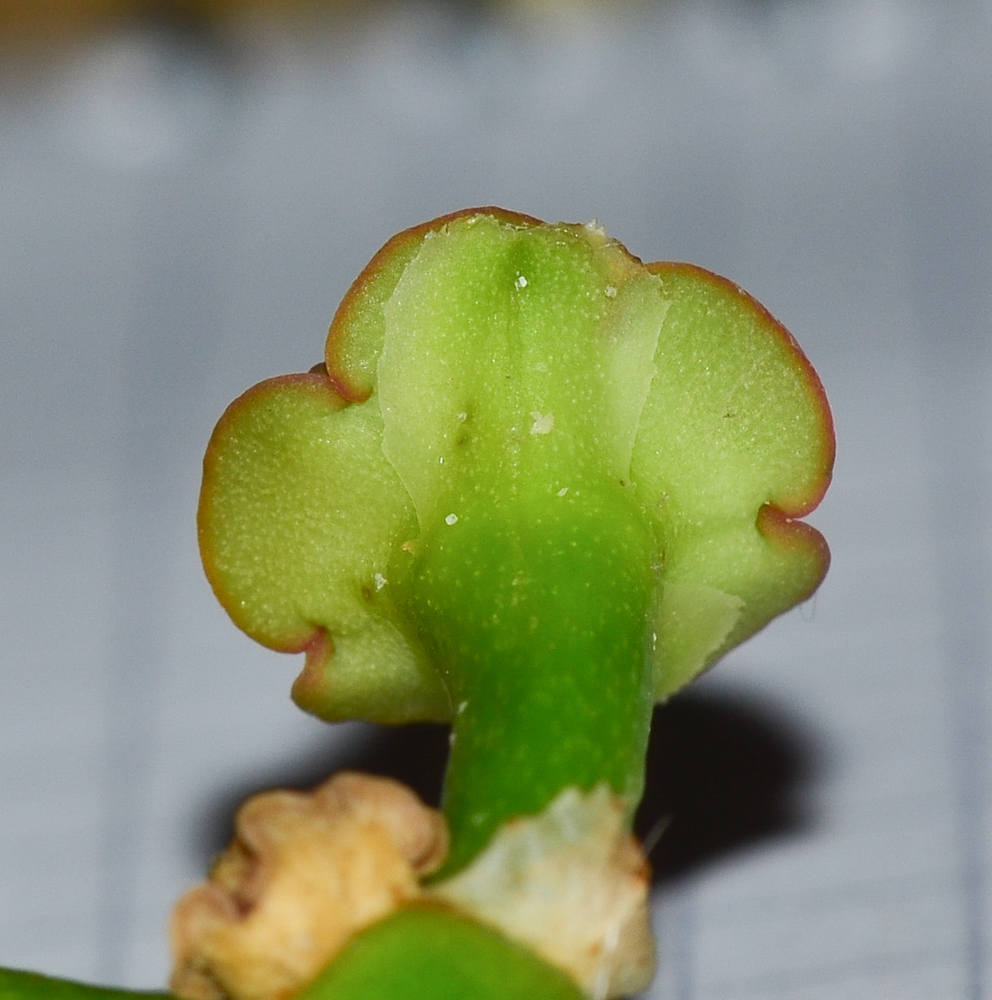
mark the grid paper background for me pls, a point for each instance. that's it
(178, 219)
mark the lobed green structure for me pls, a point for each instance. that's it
(535, 487)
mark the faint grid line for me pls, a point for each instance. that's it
(162, 370)
(954, 411)
(843, 894)
(948, 206)
(681, 951)
(793, 984)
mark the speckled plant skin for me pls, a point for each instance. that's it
(535, 487)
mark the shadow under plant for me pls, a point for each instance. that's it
(725, 772)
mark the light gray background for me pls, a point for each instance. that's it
(179, 220)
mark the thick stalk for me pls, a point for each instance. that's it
(431, 953)
(535, 609)
(18, 985)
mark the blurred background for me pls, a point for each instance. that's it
(186, 191)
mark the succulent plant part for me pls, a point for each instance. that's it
(536, 487)
(303, 875)
(307, 872)
(18, 985)
(572, 885)
(428, 952)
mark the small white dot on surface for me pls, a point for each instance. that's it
(451, 519)
(543, 423)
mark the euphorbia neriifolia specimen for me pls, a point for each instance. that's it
(536, 487)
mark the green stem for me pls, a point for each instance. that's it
(430, 953)
(17, 985)
(422, 951)
(535, 610)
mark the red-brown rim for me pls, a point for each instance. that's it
(413, 235)
(806, 370)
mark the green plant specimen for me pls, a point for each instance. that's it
(535, 487)
(539, 487)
